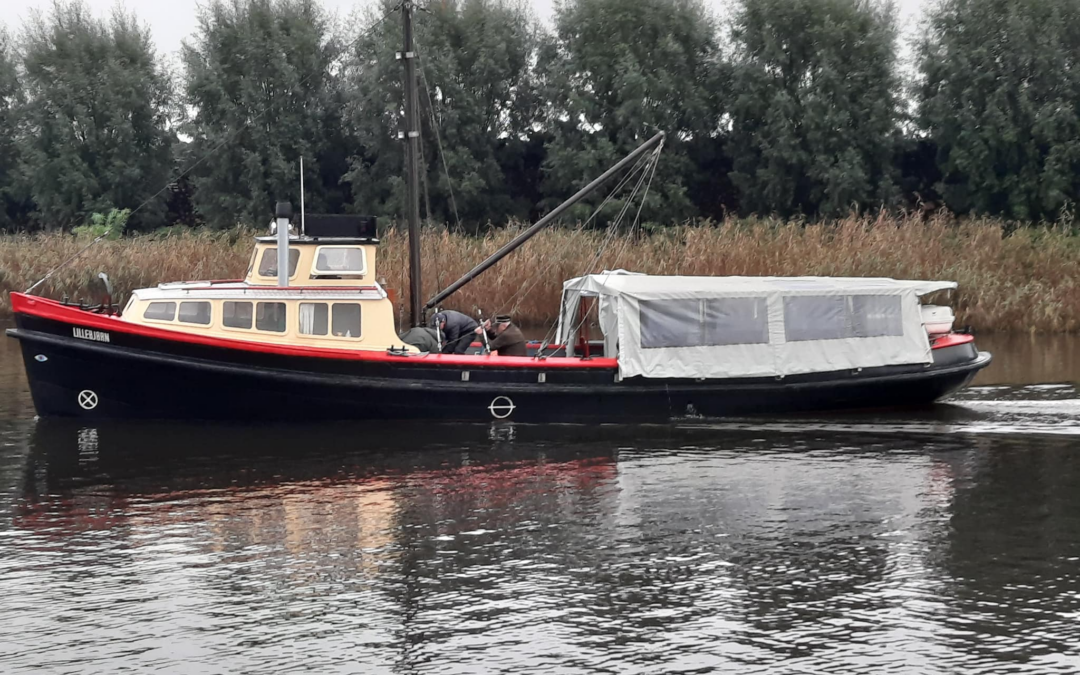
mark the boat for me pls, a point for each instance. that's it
(309, 334)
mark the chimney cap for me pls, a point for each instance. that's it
(283, 210)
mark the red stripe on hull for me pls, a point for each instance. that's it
(55, 311)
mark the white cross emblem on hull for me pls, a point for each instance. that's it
(88, 400)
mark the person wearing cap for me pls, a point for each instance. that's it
(456, 329)
(505, 338)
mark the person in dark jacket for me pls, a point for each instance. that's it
(505, 338)
(423, 338)
(457, 330)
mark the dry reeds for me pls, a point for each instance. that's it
(1024, 279)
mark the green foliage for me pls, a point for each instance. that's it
(259, 79)
(10, 102)
(112, 224)
(1000, 97)
(474, 71)
(95, 133)
(816, 113)
(615, 73)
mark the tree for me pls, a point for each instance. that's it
(816, 111)
(475, 79)
(259, 77)
(618, 71)
(999, 96)
(96, 133)
(10, 103)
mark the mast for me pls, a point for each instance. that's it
(411, 134)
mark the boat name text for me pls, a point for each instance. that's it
(87, 334)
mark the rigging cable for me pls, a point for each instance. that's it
(654, 160)
(525, 290)
(626, 240)
(228, 137)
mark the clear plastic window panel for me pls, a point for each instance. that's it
(736, 321)
(236, 314)
(876, 315)
(270, 316)
(346, 320)
(314, 318)
(195, 312)
(671, 323)
(815, 317)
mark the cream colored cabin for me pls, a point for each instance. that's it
(332, 301)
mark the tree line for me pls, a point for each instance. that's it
(796, 108)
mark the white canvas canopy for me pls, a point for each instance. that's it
(722, 327)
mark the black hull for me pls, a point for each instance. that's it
(151, 378)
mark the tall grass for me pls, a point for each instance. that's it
(1011, 279)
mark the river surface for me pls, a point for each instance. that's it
(938, 541)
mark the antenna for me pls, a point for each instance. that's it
(303, 226)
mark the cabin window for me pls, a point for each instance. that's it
(339, 260)
(270, 316)
(268, 264)
(314, 318)
(736, 321)
(236, 314)
(876, 315)
(703, 323)
(815, 317)
(346, 321)
(195, 312)
(160, 311)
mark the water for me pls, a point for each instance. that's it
(939, 541)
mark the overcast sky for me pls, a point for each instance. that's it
(173, 20)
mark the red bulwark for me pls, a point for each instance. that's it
(55, 311)
(951, 340)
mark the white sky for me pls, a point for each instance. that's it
(173, 20)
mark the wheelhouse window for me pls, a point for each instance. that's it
(339, 260)
(346, 320)
(268, 264)
(314, 318)
(270, 316)
(160, 311)
(236, 314)
(195, 312)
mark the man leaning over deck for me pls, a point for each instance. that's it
(457, 330)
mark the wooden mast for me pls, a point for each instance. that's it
(411, 134)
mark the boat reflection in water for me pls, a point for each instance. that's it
(808, 547)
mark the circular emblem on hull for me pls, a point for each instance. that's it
(88, 400)
(501, 407)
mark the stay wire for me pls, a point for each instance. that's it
(438, 136)
(650, 171)
(213, 151)
(523, 291)
(633, 226)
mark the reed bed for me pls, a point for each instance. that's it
(1011, 278)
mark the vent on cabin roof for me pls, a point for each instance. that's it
(327, 225)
